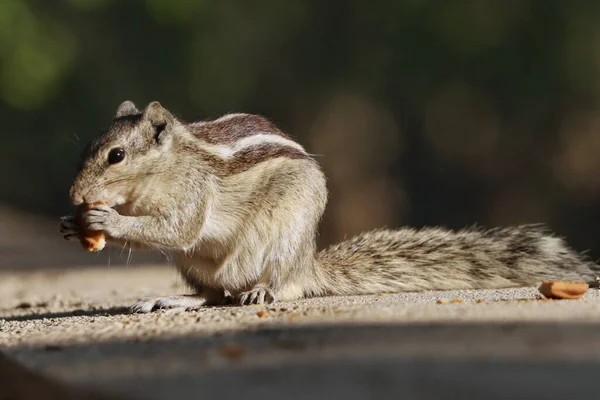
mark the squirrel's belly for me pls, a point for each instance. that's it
(200, 272)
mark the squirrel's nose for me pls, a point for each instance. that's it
(76, 197)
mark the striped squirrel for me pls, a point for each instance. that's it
(236, 202)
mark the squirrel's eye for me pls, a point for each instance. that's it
(116, 155)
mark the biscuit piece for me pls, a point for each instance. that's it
(91, 241)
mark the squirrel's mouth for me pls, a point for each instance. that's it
(109, 203)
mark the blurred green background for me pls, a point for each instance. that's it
(422, 112)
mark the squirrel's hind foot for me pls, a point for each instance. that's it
(189, 302)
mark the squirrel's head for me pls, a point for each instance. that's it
(125, 156)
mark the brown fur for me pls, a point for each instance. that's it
(234, 128)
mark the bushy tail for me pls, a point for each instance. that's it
(408, 260)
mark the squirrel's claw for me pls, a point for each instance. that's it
(69, 228)
(258, 295)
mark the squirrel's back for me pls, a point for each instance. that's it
(440, 259)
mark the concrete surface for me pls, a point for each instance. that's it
(74, 326)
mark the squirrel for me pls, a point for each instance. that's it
(236, 203)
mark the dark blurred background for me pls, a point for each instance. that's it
(422, 112)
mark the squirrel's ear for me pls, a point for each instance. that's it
(159, 117)
(126, 108)
(157, 114)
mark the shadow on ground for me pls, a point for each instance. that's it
(425, 361)
(96, 312)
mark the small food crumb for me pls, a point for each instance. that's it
(262, 313)
(479, 301)
(448, 301)
(232, 351)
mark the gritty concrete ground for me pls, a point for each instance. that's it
(73, 325)
(66, 319)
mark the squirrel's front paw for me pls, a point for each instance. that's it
(258, 295)
(69, 228)
(102, 218)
